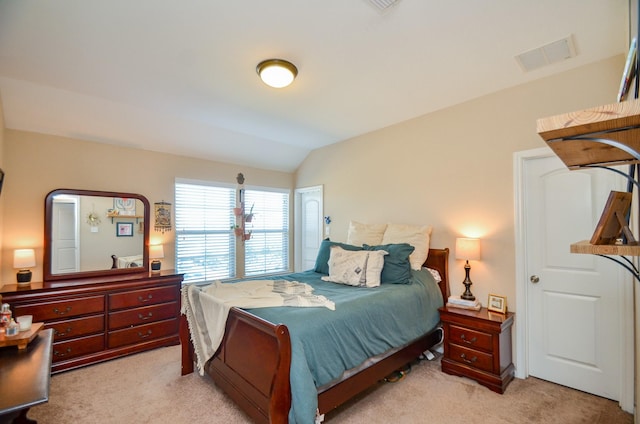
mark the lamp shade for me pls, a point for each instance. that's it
(24, 258)
(156, 251)
(277, 73)
(468, 249)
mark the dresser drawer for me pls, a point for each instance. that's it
(470, 338)
(146, 314)
(143, 297)
(63, 330)
(77, 347)
(142, 333)
(60, 309)
(473, 358)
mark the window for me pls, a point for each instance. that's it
(267, 251)
(205, 246)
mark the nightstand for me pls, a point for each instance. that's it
(477, 345)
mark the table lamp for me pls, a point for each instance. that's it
(467, 249)
(23, 259)
(156, 251)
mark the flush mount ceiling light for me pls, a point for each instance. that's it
(277, 73)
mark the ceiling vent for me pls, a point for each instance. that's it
(382, 5)
(546, 55)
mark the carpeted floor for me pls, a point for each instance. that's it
(148, 388)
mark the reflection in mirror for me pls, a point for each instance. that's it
(94, 233)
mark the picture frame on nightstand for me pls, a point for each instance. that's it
(497, 304)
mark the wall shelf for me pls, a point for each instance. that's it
(599, 137)
(606, 135)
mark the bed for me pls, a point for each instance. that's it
(257, 358)
(134, 261)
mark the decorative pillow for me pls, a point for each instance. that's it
(375, 265)
(324, 252)
(355, 268)
(360, 234)
(416, 236)
(397, 268)
(347, 267)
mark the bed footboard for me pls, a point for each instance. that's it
(252, 365)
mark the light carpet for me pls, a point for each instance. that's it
(148, 388)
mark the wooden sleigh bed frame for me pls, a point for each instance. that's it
(252, 364)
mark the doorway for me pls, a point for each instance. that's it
(308, 227)
(575, 312)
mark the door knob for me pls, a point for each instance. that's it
(534, 279)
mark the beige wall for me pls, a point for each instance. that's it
(36, 164)
(453, 169)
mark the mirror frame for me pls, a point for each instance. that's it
(48, 216)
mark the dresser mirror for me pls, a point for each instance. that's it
(95, 233)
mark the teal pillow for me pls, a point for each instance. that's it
(397, 268)
(324, 252)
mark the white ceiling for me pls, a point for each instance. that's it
(178, 76)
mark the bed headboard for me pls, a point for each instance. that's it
(438, 259)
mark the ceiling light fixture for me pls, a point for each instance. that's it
(277, 73)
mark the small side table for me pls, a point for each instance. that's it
(477, 345)
(24, 377)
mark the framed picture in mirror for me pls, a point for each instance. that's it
(124, 229)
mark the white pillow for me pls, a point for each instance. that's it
(360, 233)
(355, 268)
(416, 236)
(375, 263)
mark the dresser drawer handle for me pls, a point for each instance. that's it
(59, 312)
(464, 339)
(144, 318)
(468, 361)
(62, 334)
(145, 299)
(145, 335)
(62, 354)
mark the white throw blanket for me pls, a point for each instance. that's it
(207, 307)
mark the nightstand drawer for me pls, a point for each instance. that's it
(470, 357)
(470, 338)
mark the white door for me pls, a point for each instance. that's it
(575, 303)
(64, 240)
(309, 220)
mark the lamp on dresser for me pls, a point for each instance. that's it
(156, 252)
(467, 249)
(23, 259)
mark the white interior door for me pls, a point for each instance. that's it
(65, 238)
(309, 218)
(577, 309)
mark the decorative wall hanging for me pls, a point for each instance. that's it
(93, 219)
(162, 213)
(125, 206)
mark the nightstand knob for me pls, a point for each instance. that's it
(534, 279)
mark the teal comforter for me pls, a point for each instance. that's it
(366, 322)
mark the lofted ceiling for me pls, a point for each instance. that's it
(178, 76)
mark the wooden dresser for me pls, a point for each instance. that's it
(101, 318)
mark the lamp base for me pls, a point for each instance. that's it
(156, 265)
(24, 276)
(467, 295)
